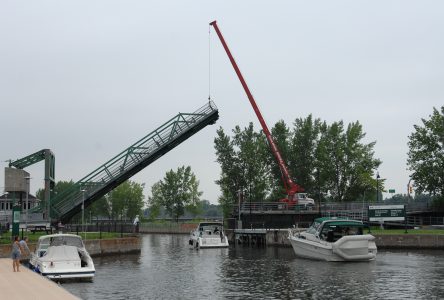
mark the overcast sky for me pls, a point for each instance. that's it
(87, 79)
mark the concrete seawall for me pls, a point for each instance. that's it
(95, 247)
(410, 241)
(395, 241)
(113, 246)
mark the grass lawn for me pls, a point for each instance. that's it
(33, 237)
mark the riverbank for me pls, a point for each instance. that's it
(95, 247)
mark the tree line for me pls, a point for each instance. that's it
(325, 159)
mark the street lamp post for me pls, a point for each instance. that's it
(377, 186)
(83, 214)
(27, 178)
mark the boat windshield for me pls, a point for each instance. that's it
(314, 228)
(43, 244)
(333, 232)
(66, 240)
(210, 228)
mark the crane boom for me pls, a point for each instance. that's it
(291, 187)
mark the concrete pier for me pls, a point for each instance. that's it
(27, 284)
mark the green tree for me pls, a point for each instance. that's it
(243, 168)
(126, 200)
(303, 149)
(346, 165)
(231, 178)
(179, 190)
(59, 188)
(426, 155)
(320, 158)
(282, 137)
(99, 208)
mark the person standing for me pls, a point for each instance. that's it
(24, 245)
(136, 224)
(15, 254)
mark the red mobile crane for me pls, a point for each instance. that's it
(293, 190)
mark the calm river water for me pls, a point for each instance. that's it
(168, 269)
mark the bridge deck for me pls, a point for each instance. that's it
(27, 284)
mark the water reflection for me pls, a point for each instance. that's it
(168, 269)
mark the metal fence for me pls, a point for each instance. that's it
(330, 207)
(350, 210)
(102, 226)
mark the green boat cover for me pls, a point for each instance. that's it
(339, 222)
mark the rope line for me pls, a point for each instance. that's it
(209, 62)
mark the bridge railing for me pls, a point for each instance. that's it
(129, 160)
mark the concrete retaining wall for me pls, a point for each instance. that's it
(113, 246)
(412, 241)
(400, 241)
(95, 247)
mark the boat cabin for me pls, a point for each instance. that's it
(57, 240)
(332, 229)
(210, 228)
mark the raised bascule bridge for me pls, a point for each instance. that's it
(129, 162)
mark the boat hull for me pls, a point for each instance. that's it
(213, 242)
(349, 248)
(70, 275)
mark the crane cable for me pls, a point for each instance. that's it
(209, 63)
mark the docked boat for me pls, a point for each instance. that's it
(62, 256)
(334, 239)
(208, 235)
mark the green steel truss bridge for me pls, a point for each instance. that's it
(130, 161)
(36, 157)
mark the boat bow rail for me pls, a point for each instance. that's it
(130, 161)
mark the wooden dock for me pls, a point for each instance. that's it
(27, 284)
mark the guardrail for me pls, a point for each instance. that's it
(271, 206)
(325, 207)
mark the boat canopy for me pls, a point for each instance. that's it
(339, 222)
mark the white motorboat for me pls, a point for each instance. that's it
(62, 256)
(208, 235)
(334, 239)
